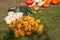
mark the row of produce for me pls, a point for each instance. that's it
(21, 23)
(35, 4)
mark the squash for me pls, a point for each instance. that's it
(45, 0)
(29, 2)
(55, 2)
(49, 1)
(21, 33)
(36, 7)
(46, 5)
(17, 9)
(59, 1)
(37, 21)
(28, 33)
(16, 34)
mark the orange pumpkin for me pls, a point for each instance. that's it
(39, 32)
(32, 28)
(55, 2)
(16, 34)
(45, 0)
(14, 22)
(46, 5)
(49, 1)
(21, 33)
(59, 1)
(28, 32)
(38, 21)
(19, 26)
(25, 28)
(36, 7)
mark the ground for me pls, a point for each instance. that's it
(50, 17)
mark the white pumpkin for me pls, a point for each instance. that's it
(18, 15)
(37, 1)
(10, 13)
(41, 3)
(9, 19)
(13, 16)
(33, 4)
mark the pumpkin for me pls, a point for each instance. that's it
(55, 2)
(37, 21)
(29, 2)
(46, 5)
(41, 27)
(59, 1)
(19, 26)
(28, 33)
(14, 22)
(16, 34)
(36, 7)
(45, 0)
(49, 1)
(39, 32)
(21, 33)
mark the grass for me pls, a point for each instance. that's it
(50, 17)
